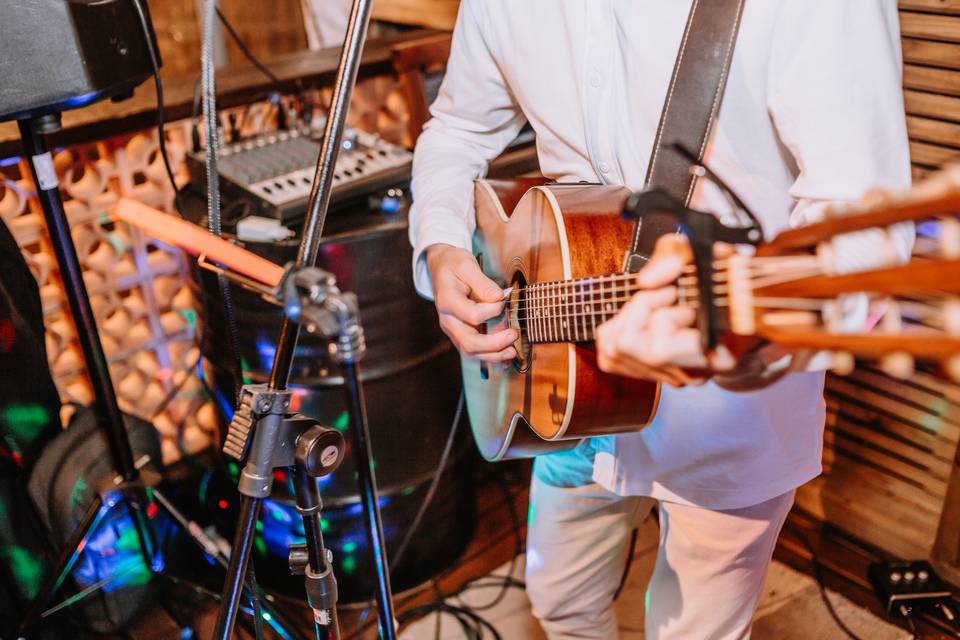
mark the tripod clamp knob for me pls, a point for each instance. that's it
(320, 449)
(311, 298)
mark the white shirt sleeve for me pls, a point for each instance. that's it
(835, 96)
(473, 119)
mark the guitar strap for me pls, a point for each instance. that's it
(693, 101)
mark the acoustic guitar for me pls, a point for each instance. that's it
(558, 248)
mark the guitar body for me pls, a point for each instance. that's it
(553, 394)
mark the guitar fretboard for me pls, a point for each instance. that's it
(571, 310)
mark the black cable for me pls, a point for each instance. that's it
(161, 136)
(818, 575)
(427, 499)
(255, 603)
(517, 550)
(245, 50)
(431, 491)
(473, 625)
(264, 69)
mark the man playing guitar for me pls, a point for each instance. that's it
(813, 113)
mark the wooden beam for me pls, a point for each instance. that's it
(943, 81)
(933, 6)
(934, 131)
(236, 85)
(930, 26)
(932, 53)
(931, 155)
(436, 14)
(933, 105)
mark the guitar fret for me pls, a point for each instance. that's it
(593, 309)
(537, 311)
(544, 314)
(555, 306)
(551, 305)
(583, 315)
(564, 320)
(561, 321)
(609, 306)
(551, 315)
(527, 312)
(531, 302)
(545, 304)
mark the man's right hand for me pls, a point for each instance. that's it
(466, 298)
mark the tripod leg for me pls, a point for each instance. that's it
(320, 583)
(107, 410)
(237, 570)
(368, 494)
(279, 620)
(71, 552)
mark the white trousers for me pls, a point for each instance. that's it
(709, 571)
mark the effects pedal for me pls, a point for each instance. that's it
(909, 584)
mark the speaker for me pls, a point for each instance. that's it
(63, 54)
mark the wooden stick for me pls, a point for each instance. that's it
(196, 241)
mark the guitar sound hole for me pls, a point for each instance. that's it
(516, 317)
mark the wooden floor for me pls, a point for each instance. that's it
(843, 563)
(499, 537)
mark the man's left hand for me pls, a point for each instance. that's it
(651, 337)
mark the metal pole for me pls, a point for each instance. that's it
(307, 256)
(89, 522)
(323, 179)
(237, 569)
(368, 494)
(322, 596)
(109, 416)
(105, 400)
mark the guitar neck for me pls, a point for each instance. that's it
(571, 310)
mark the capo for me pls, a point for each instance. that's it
(703, 230)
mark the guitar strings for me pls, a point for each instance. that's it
(554, 293)
(719, 275)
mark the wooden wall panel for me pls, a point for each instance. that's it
(938, 6)
(891, 474)
(931, 48)
(267, 28)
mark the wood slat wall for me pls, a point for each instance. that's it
(267, 28)
(892, 476)
(931, 80)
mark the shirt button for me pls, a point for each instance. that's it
(596, 79)
(604, 167)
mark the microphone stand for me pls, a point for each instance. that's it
(264, 434)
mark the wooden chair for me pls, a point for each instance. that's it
(418, 64)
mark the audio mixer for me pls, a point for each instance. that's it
(272, 173)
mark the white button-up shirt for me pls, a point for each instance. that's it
(813, 112)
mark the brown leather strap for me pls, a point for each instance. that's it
(693, 101)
